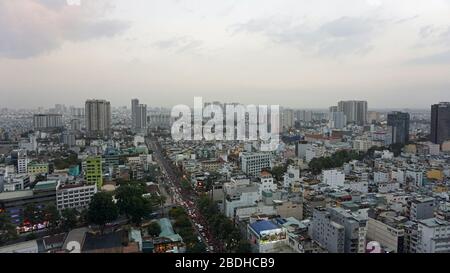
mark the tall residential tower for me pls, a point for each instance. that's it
(354, 111)
(98, 118)
(399, 123)
(440, 122)
(138, 116)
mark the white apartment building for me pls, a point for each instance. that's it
(435, 149)
(362, 145)
(22, 165)
(300, 149)
(245, 197)
(433, 236)
(338, 120)
(143, 159)
(74, 196)
(292, 175)
(16, 182)
(389, 237)
(381, 177)
(287, 119)
(398, 175)
(358, 186)
(416, 177)
(20, 160)
(254, 163)
(312, 152)
(333, 178)
(159, 119)
(386, 187)
(387, 155)
(239, 193)
(266, 183)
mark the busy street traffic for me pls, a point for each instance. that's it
(186, 198)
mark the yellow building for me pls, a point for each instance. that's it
(93, 171)
(37, 168)
(440, 189)
(410, 149)
(446, 146)
(435, 175)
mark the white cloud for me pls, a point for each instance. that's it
(179, 44)
(30, 28)
(342, 36)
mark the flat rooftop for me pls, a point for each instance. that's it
(46, 185)
(433, 222)
(260, 226)
(25, 247)
(4, 196)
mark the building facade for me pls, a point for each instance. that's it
(433, 236)
(138, 116)
(74, 196)
(254, 163)
(47, 121)
(93, 172)
(399, 122)
(98, 118)
(355, 111)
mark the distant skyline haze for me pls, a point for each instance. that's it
(295, 53)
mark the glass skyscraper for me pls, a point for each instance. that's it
(440, 122)
(399, 122)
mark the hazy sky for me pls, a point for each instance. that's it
(297, 53)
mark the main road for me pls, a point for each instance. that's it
(187, 199)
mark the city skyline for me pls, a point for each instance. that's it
(218, 130)
(126, 104)
(303, 54)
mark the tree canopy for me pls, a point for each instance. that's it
(132, 203)
(336, 160)
(8, 230)
(32, 215)
(68, 219)
(102, 210)
(154, 229)
(52, 216)
(221, 227)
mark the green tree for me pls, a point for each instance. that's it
(39, 178)
(176, 212)
(8, 230)
(83, 217)
(157, 200)
(372, 150)
(278, 172)
(68, 219)
(243, 247)
(185, 184)
(183, 226)
(31, 236)
(154, 229)
(197, 247)
(336, 160)
(64, 162)
(182, 221)
(207, 207)
(52, 216)
(32, 214)
(102, 210)
(132, 203)
(221, 227)
(396, 148)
